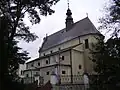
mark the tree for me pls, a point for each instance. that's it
(106, 55)
(111, 19)
(12, 26)
(107, 65)
(14, 57)
(11, 79)
(15, 10)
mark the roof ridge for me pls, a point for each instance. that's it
(65, 28)
(56, 32)
(81, 20)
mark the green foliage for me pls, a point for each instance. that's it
(111, 20)
(15, 57)
(12, 26)
(15, 11)
(106, 55)
(107, 65)
(11, 56)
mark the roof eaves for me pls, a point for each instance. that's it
(32, 60)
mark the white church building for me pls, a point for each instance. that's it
(65, 54)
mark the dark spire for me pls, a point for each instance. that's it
(69, 19)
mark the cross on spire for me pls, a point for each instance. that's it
(87, 14)
(68, 3)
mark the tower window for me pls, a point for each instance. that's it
(63, 72)
(86, 44)
(80, 66)
(38, 64)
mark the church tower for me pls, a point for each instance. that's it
(69, 20)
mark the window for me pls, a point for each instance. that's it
(37, 73)
(80, 66)
(46, 61)
(51, 51)
(27, 75)
(86, 44)
(63, 72)
(21, 72)
(38, 63)
(59, 48)
(62, 57)
(32, 65)
(47, 73)
(44, 54)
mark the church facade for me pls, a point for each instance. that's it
(65, 53)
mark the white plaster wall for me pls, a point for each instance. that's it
(77, 59)
(88, 64)
(80, 55)
(62, 46)
(66, 58)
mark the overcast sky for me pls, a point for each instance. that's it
(56, 21)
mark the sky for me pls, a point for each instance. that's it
(56, 21)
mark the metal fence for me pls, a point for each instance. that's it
(67, 82)
(71, 82)
(28, 80)
(76, 79)
(71, 87)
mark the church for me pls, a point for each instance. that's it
(65, 53)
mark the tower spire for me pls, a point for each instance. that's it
(68, 3)
(69, 19)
